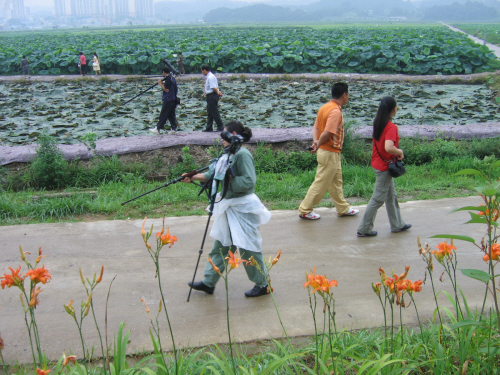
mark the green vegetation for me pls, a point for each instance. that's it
(283, 181)
(69, 110)
(490, 31)
(409, 50)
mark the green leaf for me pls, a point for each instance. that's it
(476, 219)
(485, 277)
(464, 323)
(470, 208)
(455, 237)
(469, 172)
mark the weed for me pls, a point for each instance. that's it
(49, 169)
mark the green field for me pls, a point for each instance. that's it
(68, 110)
(489, 30)
(361, 49)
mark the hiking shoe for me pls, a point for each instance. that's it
(310, 216)
(201, 286)
(257, 291)
(154, 130)
(406, 227)
(351, 212)
(373, 233)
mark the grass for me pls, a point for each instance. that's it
(282, 191)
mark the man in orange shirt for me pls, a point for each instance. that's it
(328, 139)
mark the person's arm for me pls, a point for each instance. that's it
(217, 91)
(246, 178)
(390, 147)
(197, 177)
(160, 82)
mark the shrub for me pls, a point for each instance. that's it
(49, 168)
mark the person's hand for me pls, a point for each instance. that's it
(220, 93)
(314, 147)
(402, 156)
(187, 180)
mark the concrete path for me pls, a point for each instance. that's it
(330, 244)
(493, 47)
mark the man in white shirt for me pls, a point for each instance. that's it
(213, 95)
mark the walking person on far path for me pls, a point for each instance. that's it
(25, 67)
(180, 64)
(83, 64)
(328, 139)
(213, 95)
(96, 64)
(385, 147)
(169, 86)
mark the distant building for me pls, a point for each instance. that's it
(143, 8)
(60, 8)
(18, 10)
(121, 9)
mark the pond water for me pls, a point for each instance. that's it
(70, 110)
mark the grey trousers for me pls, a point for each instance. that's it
(384, 192)
(253, 273)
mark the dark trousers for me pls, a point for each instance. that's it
(213, 112)
(167, 113)
(83, 69)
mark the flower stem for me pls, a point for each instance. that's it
(228, 324)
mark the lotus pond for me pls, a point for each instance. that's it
(68, 110)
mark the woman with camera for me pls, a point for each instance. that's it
(238, 215)
(385, 147)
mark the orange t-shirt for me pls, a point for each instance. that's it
(330, 118)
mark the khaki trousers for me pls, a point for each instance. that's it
(328, 178)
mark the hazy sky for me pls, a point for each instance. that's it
(30, 3)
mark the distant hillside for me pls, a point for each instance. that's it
(358, 10)
(255, 14)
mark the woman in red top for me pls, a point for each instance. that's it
(385, 148)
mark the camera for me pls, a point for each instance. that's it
(235, 141)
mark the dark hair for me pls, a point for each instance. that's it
(236, 126)
(166, 70)
(387, 105)
(24, 56)
(95, 54)
(205, 67)
(180, 53)
(81, 53)
(339, 89)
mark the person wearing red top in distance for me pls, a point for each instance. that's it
(385, 148)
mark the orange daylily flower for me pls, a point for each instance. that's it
(403, 284)
(234, 261)
(443, 250)
(39, 275)
(68, 359)
(12, 280)
(216, 269)
(34, 297)
(319, 282)
(415, 287)
(166, 238)
(275, 260)
(495, 253)
(312, 282)
(42, 372)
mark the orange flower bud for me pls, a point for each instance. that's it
(2, 346)
(159, 307)
(216, 269)
(69, 308)
(23, 258)
(143, 232)
(81, 277)
(89, 299)
(86, 311)
(42, 372)
(275, 260)
(68, 359)
(99, 279)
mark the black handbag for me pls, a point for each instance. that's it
(396, 167)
